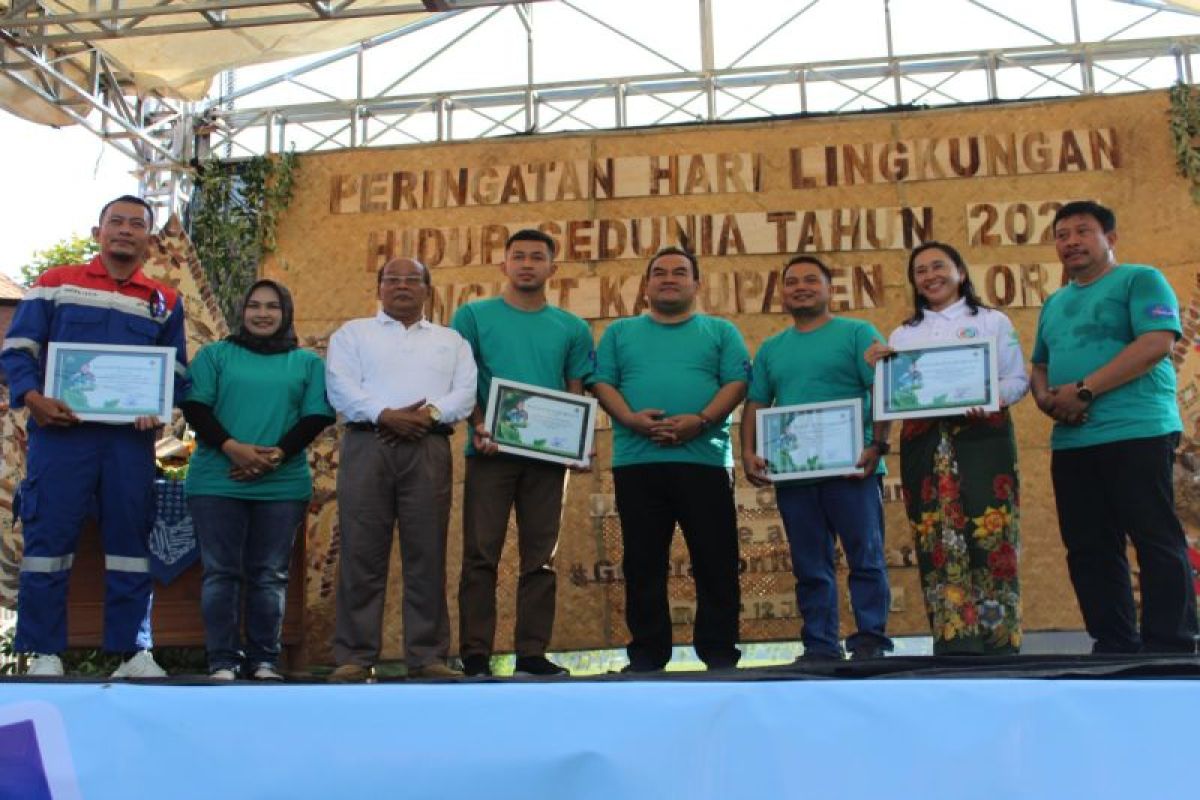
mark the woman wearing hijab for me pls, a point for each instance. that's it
(959, 473)
(257, 401)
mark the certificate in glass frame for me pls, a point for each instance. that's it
(112, 382)
(937, 380)
(541, 423)
(811, 440)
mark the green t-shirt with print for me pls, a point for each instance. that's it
(1082, 328)
(675, 367)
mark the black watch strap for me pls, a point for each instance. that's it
(884, 447)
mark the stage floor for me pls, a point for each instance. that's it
(905, 727)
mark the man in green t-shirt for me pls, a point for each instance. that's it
(517, 336)
(670, 379)
(1102, 370)
(820, 359)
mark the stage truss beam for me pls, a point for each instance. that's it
(51, 54)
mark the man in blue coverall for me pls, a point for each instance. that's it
(76, 466)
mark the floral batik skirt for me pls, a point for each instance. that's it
(961, 493)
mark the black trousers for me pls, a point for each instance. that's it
(1104, 494)
(651, 499)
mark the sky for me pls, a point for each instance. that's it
(57, 179)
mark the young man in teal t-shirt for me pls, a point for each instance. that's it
(670, 379)
(1102, 370)
(517, 336)
(819, 359)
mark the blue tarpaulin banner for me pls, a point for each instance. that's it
(929, 739)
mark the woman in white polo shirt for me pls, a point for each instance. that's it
(959, 472)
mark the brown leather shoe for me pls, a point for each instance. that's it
(435, 670)
(349, 673)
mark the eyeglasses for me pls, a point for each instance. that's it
(402, 280)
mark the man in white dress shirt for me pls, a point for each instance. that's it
(400, 381)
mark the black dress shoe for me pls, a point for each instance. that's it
(539, 666)
(631, 669)
(477, 666)
(866, 653)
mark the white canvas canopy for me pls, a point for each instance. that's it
(181, 65)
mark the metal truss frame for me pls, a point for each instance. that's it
(38, 24)
(86, 87)
(61, 63)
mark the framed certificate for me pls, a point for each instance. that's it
(813, 440)
(112, 382)
(937, 380)
(541, 423)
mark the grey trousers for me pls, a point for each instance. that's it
(378, 486)
(493, 486)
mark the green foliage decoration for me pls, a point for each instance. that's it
(235, 210)
(8, 652)
(1185, 133)
(72, 250)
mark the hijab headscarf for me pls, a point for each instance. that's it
(283, 339)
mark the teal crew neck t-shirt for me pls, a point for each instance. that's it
(678, 368)
(544, 348)
(1082, 328)
(257, 398)
(794, 367)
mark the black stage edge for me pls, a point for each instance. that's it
(1031, 667)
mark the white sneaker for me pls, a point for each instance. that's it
(45, 666)
(266, 672)
(222, 675)
(141, 665)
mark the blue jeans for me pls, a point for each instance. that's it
(812, 514)
(244, 541)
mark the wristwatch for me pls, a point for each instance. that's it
(704, 421)
(435, 413)
(1084, 394)
(884, 447)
